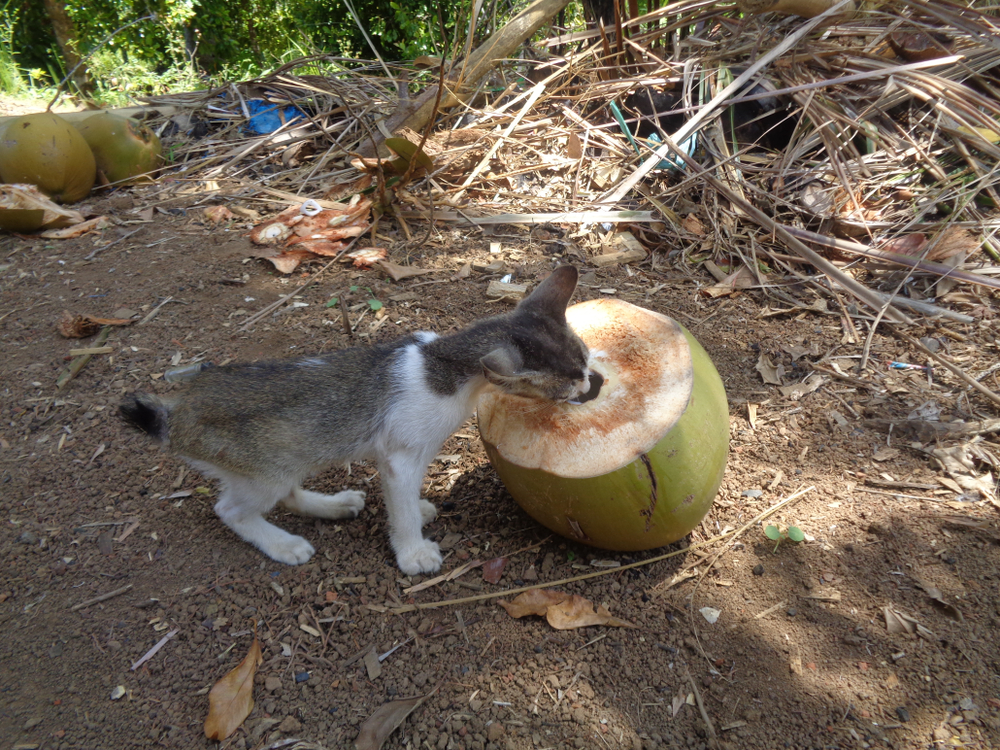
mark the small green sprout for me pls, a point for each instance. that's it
(373, 303)
(792, 533)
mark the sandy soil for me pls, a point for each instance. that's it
(799, 657)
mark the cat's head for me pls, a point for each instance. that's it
(544, 359)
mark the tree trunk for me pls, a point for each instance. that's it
(69, 44)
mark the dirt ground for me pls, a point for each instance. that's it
(800, 656)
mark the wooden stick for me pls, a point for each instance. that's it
(101, 598)
(713, 740)
(608, 571)
(152, 652)
(991, 395)
(80, 362)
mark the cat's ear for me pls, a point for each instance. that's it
(553, 295)
(500, 364)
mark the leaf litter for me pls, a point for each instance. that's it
(231, 699)
(562, 611)
(386, 719)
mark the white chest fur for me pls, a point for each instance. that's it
(418, 416)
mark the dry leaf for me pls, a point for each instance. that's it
(794, 392)
(231, 698)
(219, 214)
(908, 244)
(563, 611)
(677, 704)
(493, 569)
(574, 149)
(80, 326)
(937, 598)
(693, 225)
(752, 415)
(398, 273)
(896, 623)
(768, 372)
(386, 719)
(366, 257)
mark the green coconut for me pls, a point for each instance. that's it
(45, 150)
(125, 149)
(634, 468)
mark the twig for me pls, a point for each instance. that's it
(154, 312)
(733, 537)
(308, 282)
(713, 740)
(962, 375)
(101, 598)
(586, 576)
(80, 362)
(539, 88)
(152, 652)
(96, 250)
(717, 101)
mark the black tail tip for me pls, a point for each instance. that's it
(144, 414)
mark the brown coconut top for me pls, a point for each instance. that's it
(646, 363)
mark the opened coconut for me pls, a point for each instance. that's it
(47, 151)
(634, 466)
(125, 149)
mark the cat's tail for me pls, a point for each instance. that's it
(148, 413)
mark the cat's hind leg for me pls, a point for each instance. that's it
(346, 504)
(428, 512)
(241, 506)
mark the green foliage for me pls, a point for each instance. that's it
(148, 46)
(792, 534)
(11, 80)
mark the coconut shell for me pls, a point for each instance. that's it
(638, 466)
(45, 150)
(125, 149)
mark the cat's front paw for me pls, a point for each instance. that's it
(294, 550)
(424, 557)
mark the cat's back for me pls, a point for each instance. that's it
(344, 387)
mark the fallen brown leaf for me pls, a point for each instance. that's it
(563, 611)
(366, 257)
(938, 600)
(231, 698)
(493, 569)
(219, 214)
(896, 623)
(768, 372)
(80, 326)
(386, 719)
(398, 273)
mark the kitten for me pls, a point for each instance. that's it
(261, 429)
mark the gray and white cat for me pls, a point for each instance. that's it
(261, 429)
